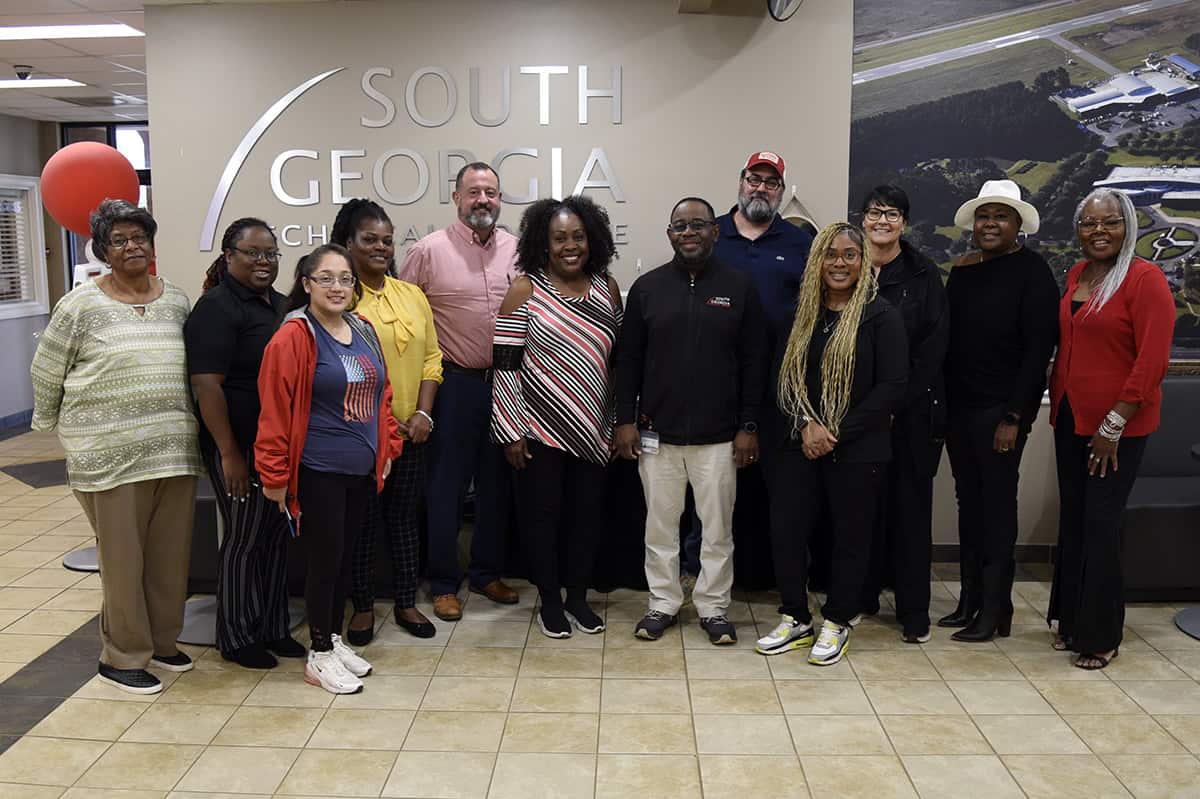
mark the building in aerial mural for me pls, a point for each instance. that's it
(1058, 96)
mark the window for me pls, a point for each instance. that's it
(23, 290)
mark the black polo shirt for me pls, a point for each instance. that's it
(774, 262)
(226, 334)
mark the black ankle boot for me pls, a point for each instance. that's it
(985, 626)
(968, 606)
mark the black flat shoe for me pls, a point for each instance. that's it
(984, 627)
(360, 637)
(420, 629)
(287, 647)
(254, 656)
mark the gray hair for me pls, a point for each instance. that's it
(113, 212)
(1116, 276)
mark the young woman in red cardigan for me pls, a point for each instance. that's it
(326, 440)
(1115, 324)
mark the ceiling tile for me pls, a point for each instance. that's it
(12, 7)
(20, 51)
(106, 47)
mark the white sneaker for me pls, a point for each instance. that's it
(857, 620)
(326, 670)
(356, 665)
(831, 645)
(789, 635)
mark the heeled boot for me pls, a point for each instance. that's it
(985, 626)
(969, 604)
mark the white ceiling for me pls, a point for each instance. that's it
(113, 69)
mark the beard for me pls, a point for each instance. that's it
(481, 218)
(757, 206)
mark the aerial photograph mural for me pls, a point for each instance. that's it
(1058, 95)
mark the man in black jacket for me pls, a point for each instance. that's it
(691, 364)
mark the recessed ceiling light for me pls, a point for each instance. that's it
(39, 83)
(18, 32)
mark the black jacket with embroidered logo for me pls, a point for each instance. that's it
(692, 355)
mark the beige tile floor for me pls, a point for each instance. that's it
(491, 708)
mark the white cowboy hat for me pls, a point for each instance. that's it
(1005, 192)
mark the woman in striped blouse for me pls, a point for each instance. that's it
(552, 398)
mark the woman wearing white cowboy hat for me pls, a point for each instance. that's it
(1003, 327)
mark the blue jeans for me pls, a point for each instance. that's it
(460, 450)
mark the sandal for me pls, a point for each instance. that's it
(1090, 662)
(1060, 644)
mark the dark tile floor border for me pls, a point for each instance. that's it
(33, 692)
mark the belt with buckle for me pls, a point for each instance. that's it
(453, 368)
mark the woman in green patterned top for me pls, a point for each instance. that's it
(110, 375)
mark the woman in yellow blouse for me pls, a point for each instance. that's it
(402, 318)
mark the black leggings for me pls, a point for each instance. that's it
(332, 507)
(562, 515)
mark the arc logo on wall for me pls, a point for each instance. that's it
(595, 173)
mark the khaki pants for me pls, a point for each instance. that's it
(144, 543)
(665, 476)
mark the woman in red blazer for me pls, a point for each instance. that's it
(326, 439)
(1115, 323)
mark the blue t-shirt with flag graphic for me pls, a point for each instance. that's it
(343, 426)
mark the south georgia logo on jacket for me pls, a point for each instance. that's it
(719, 302)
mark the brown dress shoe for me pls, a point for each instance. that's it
(497, 591)
(446, 607)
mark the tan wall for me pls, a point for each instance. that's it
(699, 93)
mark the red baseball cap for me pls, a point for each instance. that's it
(773, 160)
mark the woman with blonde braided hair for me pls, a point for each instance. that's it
(840, 377)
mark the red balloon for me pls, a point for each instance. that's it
(79, 177)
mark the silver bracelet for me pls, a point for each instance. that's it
(1115, 420)
(427, 417)
(1109, 433)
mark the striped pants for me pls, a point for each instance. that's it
(252, 564)
(397, 511)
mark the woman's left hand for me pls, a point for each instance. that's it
(1005, 437)
(419, 428)
(1103, 455)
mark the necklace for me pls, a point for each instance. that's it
(828, 324)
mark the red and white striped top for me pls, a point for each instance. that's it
(552, 361)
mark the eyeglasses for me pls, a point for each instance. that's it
(847, 256)
(271, 256)
(327, 281)
(1089, 224)
(890, 214)
(754, 181)
(697, 225)
(119, 242)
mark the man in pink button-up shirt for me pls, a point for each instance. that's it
(465, 271)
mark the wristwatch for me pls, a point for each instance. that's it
(749, 427)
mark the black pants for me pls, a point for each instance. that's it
(561, 512)
(796, 487)
(332, 506)
(902, 549)
(1087, 597)
(395, 513)
(251, 565)
(985, 483)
